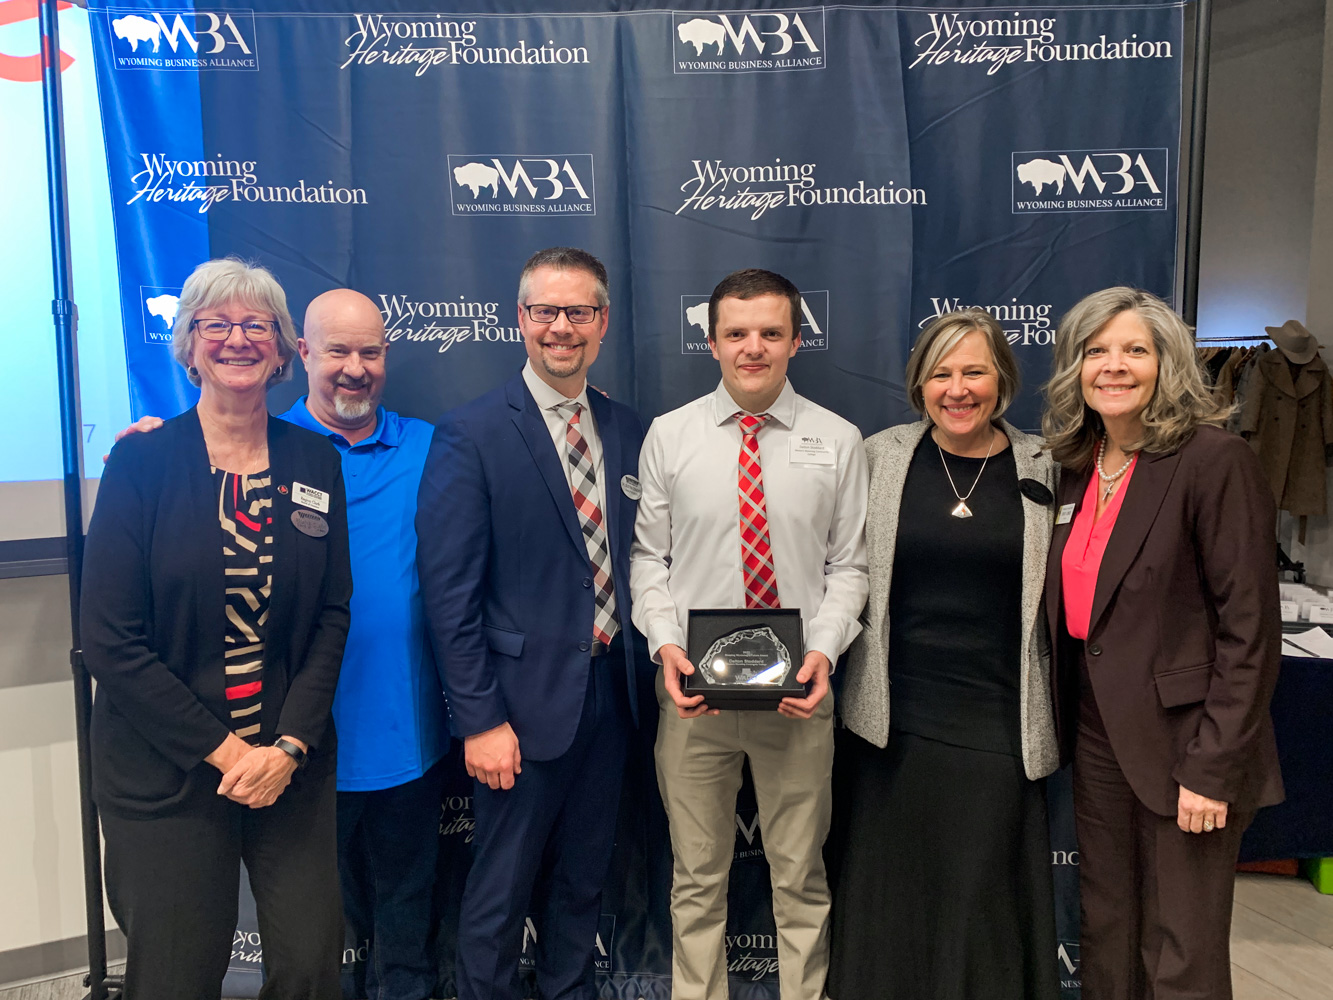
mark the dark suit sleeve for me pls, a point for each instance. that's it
(309, 702)
(1234, 531)
(453, 549)
(114, 614)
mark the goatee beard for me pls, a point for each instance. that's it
(353, 409)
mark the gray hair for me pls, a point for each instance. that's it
(1181, 400)
(943, 335)
(565, 259)
(225, 280)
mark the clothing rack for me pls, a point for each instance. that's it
(1229, 340)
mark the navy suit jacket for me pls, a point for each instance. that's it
(505, 575)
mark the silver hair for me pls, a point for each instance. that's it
(943, 335)
(1181, 400)
(227, 280)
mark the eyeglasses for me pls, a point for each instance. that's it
(220, 329)
(575, 314)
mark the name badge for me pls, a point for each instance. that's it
(630, 487)
(308, 496)
(810, 450)
(310, 524)
(1066, 514)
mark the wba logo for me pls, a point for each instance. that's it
(157, 306)
(996, 41)
(183, 39)
(447, 323)
(694, 334)
(1067, 959)
(748, 41)
(522, 185)
(1090, 180)
(601, 947)
(1024, 324)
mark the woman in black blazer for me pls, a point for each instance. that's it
(214, 610)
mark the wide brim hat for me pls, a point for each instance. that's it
(1295, 341)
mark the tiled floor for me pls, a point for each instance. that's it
(1281, 945)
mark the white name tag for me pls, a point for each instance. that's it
(1066, 514)
(810, 450)
(308, 496)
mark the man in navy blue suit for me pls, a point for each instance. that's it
(524, 520)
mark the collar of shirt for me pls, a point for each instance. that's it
(386, 430)
(548, 398)
(783, 410)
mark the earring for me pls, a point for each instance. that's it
(277, 372)
(192, 371)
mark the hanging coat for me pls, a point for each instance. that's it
(1289, 423)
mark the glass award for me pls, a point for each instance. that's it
(745, 659)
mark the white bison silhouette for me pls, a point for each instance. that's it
(476, 176)
(1039, 173)
(700, 32)
(164, 307)
(135, 29)
(698, 316)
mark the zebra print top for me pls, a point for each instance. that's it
(245, 511)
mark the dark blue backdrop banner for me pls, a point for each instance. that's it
(895, 162)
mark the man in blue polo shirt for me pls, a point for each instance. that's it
(389, 709)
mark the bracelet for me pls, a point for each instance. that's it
(292, 751)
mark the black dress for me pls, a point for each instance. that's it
(942, 861)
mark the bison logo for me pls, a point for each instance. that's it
(163, 307)
(135, 29)
(1039, 173)
(475, 176)
(701, 32)
(698, 316)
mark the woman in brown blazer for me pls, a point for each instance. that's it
(1162, 599)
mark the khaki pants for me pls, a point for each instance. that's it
(699, 772)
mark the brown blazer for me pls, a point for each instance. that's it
(1186, 635)
(1289, 424)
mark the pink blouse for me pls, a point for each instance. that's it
(1084, 548)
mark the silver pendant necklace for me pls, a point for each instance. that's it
(1110, 480)
(962, 509)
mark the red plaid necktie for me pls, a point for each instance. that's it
(761, 581)
(583, 486)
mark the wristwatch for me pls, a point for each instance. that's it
(293, 751)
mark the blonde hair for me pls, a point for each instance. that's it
(943, 335)
(1181, 400)
(230, 279)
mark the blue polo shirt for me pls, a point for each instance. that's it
(389, 708)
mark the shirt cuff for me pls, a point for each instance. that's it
(831, 641)
(662, 632)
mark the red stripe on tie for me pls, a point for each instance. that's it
(244, 690)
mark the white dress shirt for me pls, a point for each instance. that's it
(547, 400)
(687, 539)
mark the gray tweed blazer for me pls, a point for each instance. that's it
(864, 704)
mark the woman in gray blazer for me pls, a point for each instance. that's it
(944, 890)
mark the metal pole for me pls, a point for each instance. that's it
(1203, 18)
(71, 447)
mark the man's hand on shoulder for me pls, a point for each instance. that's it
(674, 664)
(493, 757)
(814, 668)
(141, 426)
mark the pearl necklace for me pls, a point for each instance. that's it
(1110, 481)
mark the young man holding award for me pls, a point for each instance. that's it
(754, 500)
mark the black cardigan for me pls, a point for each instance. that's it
(153, 613)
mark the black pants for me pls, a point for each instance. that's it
(173, 882)
(388, 843)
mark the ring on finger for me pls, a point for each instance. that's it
(1208, 825)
